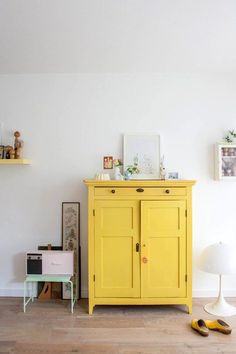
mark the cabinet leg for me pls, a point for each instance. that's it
(90, 309)
(189, 308)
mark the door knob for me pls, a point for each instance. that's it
(145, 259)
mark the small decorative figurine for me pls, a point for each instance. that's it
(18, 145)
(162, 169)
(12, 153)
(117, 174)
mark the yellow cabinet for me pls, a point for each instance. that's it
(139, 246)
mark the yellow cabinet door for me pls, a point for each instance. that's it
(163, 251)
(117, 259)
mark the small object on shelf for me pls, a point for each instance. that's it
(7, 151)
(102, 176)
(18, 145)
(1, 152)
(131, 170)
(162, 169)
(107, 162)
(173, 175)
(12, 153)
(117, 173)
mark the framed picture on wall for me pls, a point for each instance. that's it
(142, 154)
(71, 242)
(225, 162)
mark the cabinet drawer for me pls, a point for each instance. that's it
(139, 191)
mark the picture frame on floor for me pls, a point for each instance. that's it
(71, 242)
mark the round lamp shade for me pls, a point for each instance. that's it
(219, 258)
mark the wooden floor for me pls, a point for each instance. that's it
(49, 327)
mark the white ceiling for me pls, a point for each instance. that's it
(117, 36)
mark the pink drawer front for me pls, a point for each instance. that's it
(58, 263)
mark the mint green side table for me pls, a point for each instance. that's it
(46, 278)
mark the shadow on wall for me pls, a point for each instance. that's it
(19, 267)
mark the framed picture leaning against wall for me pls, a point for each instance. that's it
(71, 242)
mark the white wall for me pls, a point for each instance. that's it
(69, 122)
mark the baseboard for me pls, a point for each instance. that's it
(197, 293)
(12, 292)
(213, 293)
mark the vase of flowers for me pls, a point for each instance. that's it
(131, 170)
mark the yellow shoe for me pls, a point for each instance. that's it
(200, 327)
(218, 325)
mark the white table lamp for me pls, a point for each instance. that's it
(220, 259)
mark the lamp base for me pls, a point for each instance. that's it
(220, 308)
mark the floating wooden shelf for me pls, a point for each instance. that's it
(15, 162)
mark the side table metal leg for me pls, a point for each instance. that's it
(24, 297)
(32, 291)
(71, 296)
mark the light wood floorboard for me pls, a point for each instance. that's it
(49, 327)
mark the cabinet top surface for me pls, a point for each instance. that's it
(138, 183)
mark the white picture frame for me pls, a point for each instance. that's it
(225, 162)
(143, 150)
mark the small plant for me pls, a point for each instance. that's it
(231, 136)
(132, 169)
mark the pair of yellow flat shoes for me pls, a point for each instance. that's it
(203, 326)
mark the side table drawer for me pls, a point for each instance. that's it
(139, 191)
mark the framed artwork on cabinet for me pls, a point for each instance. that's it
(142, 151)
(108, 162)
(225, 162)
(71, 242)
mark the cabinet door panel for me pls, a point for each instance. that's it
(163, 230)
(116, 260)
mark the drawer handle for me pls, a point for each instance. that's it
(113, 191)
(140, 190)
(167, 191)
